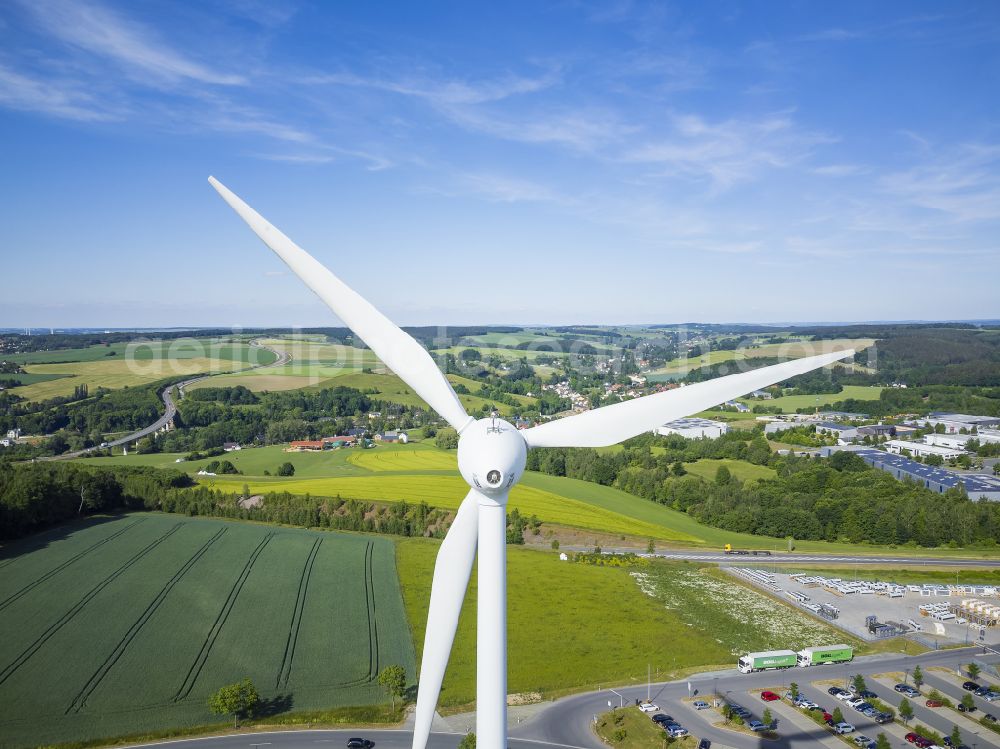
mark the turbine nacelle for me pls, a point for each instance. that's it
(491, 457)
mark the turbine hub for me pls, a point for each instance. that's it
(491, 457)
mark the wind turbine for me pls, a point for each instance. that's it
(491, 459)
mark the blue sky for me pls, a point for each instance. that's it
(609, 162)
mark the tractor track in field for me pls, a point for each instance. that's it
(80, 701)
(56, 570)
(285, 672)
(372, 620)
(14, 665)
(220, 621)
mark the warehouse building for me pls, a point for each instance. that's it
(843, 432)
(955, 423)
(979, 486)
(694, 428)
(922, 449)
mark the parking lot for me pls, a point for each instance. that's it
(855, 601)
(793, 723)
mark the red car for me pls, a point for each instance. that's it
(934, 703)
(769, 696)
(828, 719)
(911, 737)
(923, 743)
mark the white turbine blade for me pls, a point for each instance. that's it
(451, 578)
(401, 353)
(610, 425)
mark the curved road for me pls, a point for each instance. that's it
(567, 722)
(170, 408)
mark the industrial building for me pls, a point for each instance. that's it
(978, 486)
(773, 427)
(694, 428)
(955, 423)
(922, 449)
(841, 416)
(954, 441)
(843, 432)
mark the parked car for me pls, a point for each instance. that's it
(854, 702)
(843, 728)
(867, 694)
(359, 743)
(844, 696)
(863, 741)
(828, 719)
(970, 686)
(990, 717)
(864, 706)
(704, 744)
(963, 709)
(756, 725)
(923, 743)
(980, 691)
(911, 737)
(700, 705)
(769, 696)
(835, 691)
(675, 731)
(662, 718)
(934, 703)
(991, 696)
(649, 707)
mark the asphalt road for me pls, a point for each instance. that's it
(567, 722)
(780, 558)
(170, 408)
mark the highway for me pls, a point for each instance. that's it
(567, 722)
(780, 557)
(170, 408)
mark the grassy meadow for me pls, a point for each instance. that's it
(128, 624)
(58, 373)
(617, 630)
(421, 472)
(789, 403)
(787, 350)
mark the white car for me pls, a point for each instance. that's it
(843, 728)
(649, 707)
(808, 705)
(844, 696)
(862, 740)
(855, 702)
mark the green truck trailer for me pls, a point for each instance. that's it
(825, 654)
(769, 659)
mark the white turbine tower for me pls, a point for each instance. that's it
(491, 459)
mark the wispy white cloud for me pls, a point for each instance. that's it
(963, 183)
(442, 92)
(727, 152)
(506, 189)
(841, 170)
(59, 98)
(102, 32)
